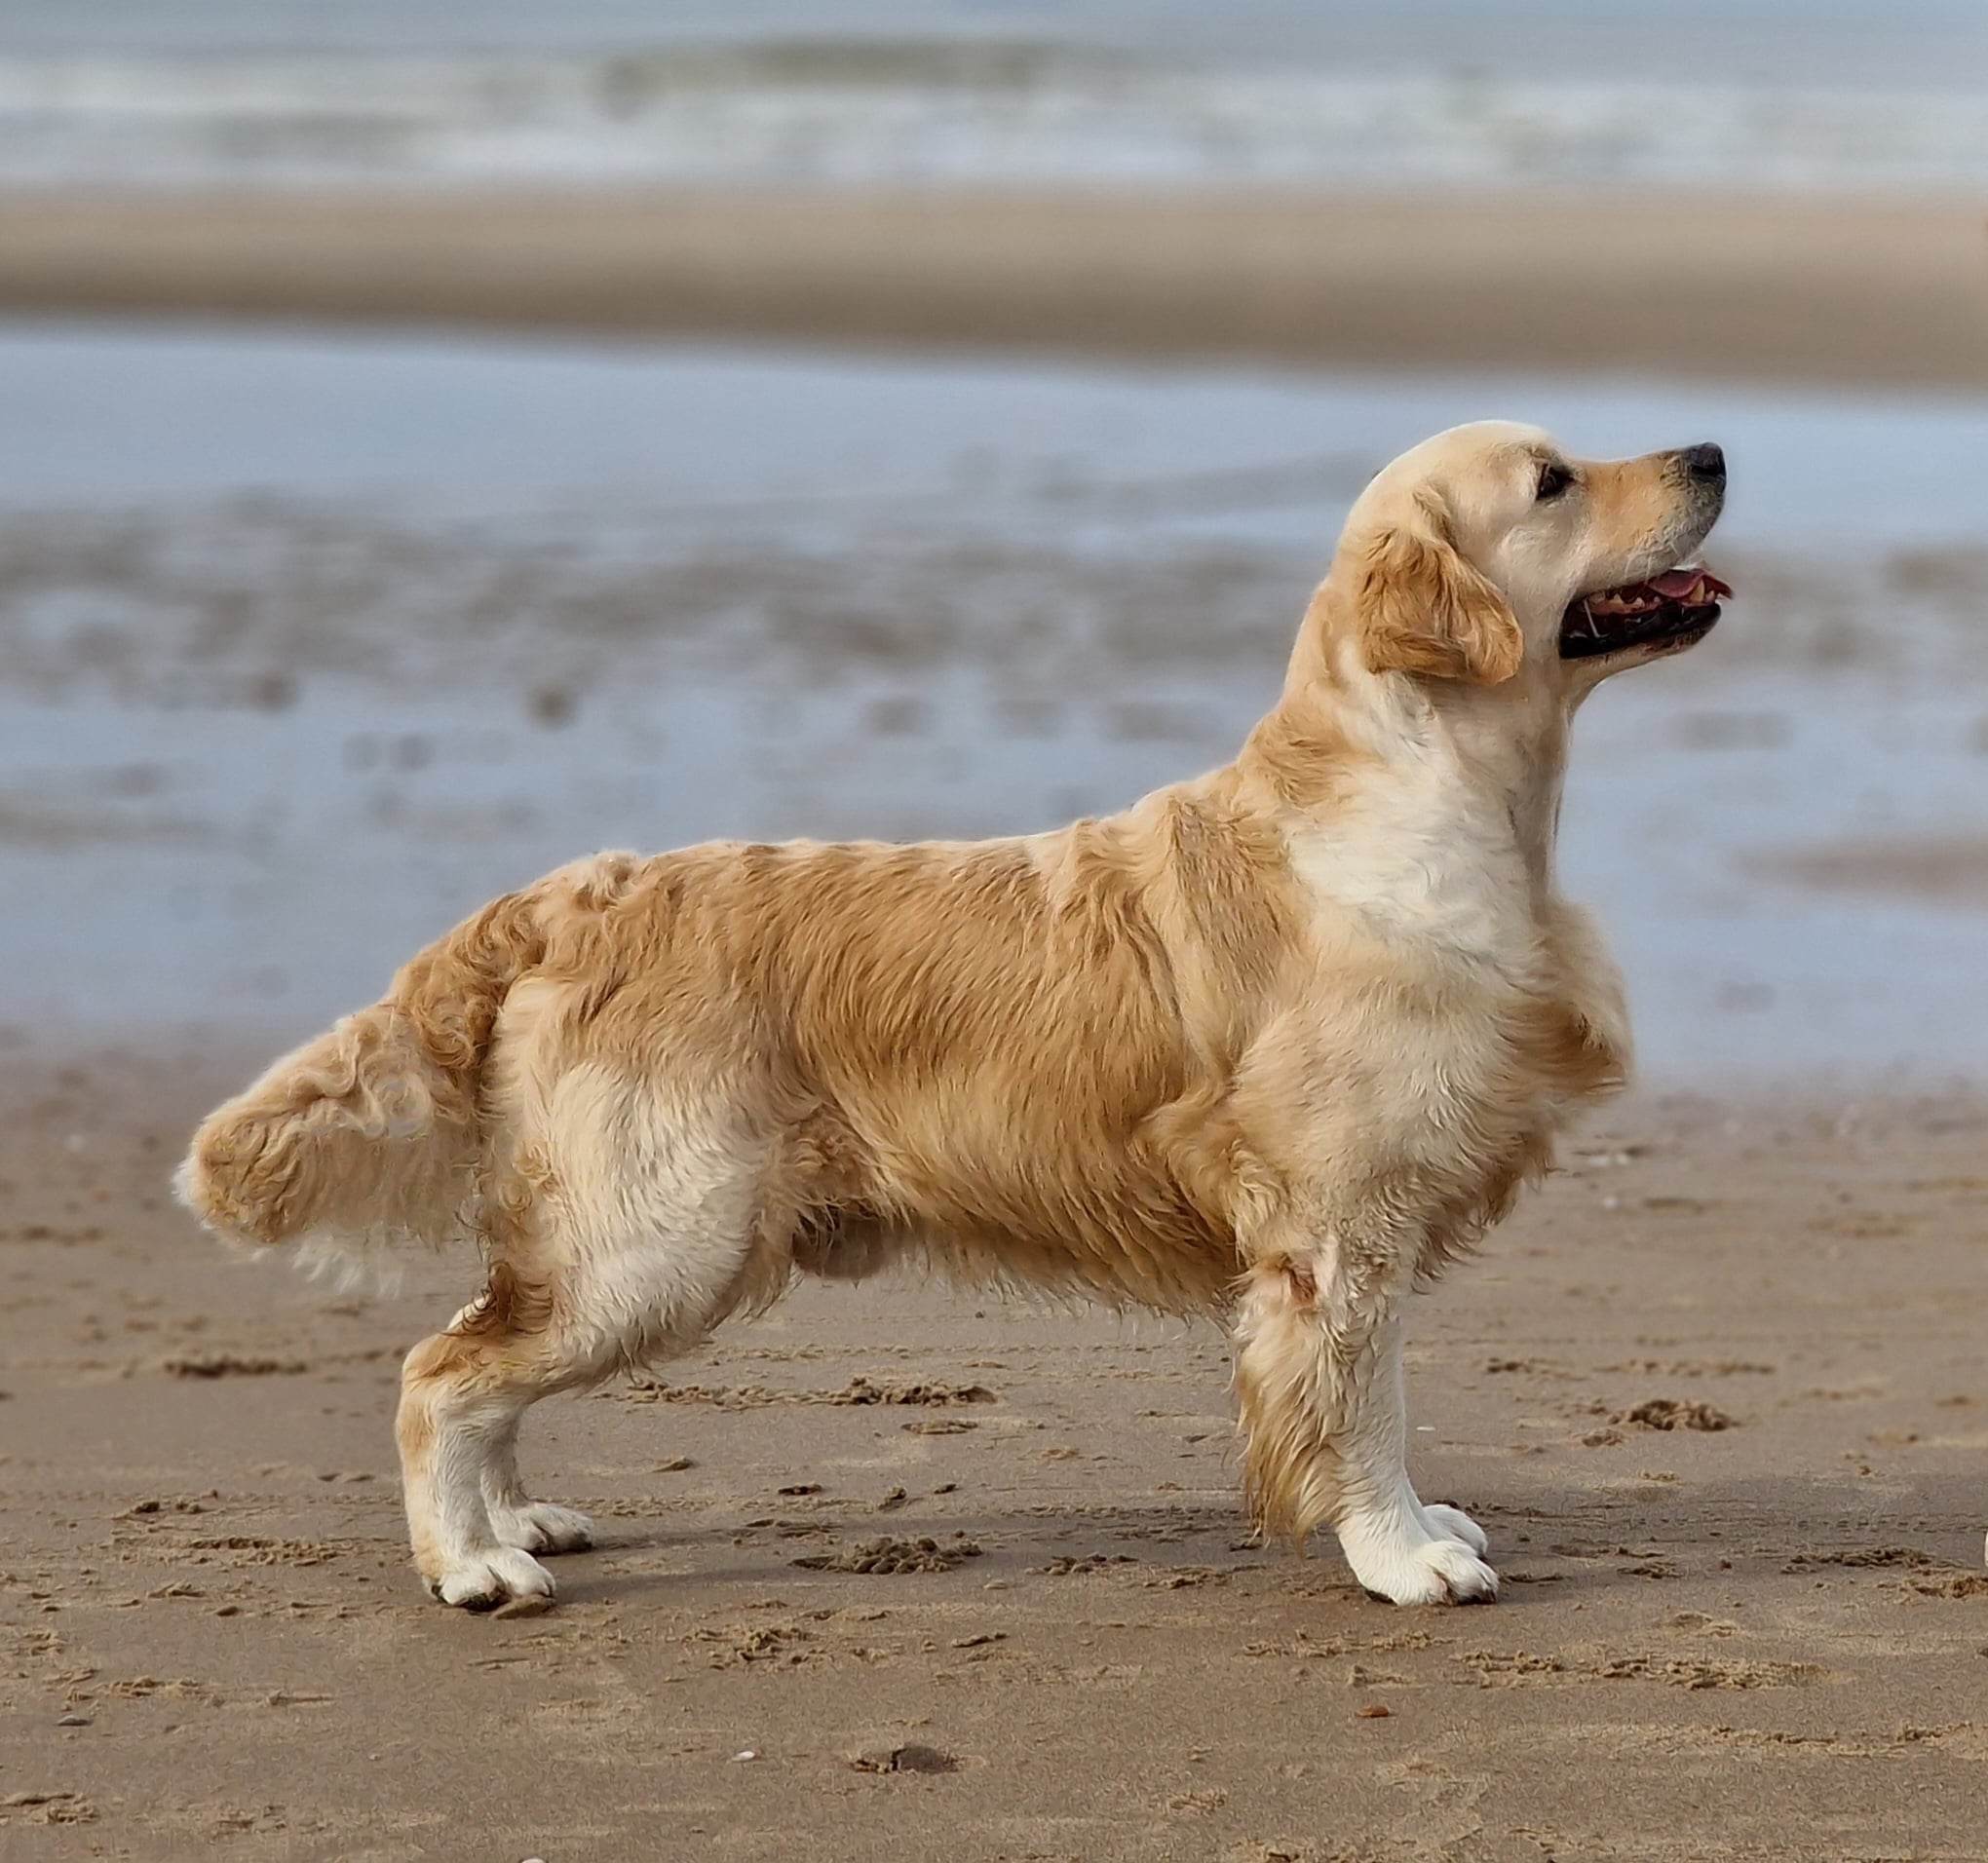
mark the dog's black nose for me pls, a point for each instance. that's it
(1706, 462)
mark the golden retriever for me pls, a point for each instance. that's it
(1272, 1045)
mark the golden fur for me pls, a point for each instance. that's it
(1271, 1046)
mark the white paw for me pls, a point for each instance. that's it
(1405, 1565)
(1455, 1524)
(484, 1580)
(540, 1526)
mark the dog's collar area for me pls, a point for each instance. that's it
(1678, 606)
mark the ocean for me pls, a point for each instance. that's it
(1763, 95)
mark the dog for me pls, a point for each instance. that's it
(1273, 1045)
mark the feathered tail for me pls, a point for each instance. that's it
(371, 1133)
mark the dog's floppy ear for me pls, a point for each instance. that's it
(1422, 608)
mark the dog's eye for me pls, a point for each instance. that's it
(1555, 478)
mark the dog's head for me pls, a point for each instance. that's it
(1490, 555)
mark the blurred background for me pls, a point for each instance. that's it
(440, 441)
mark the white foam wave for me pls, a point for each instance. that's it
(1017, 117)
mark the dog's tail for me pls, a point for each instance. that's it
(371, 1133)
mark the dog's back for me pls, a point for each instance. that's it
(1004, 1056)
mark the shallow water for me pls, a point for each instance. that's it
(311, 645)
(742, 438)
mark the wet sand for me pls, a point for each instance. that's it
(1778, 290)
(1761, 1631)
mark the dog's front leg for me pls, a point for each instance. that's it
(1319, 1370)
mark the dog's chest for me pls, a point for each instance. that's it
(1442, 973)
(1447, 883)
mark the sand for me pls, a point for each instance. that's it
(1778, 290)
(1763, 1638)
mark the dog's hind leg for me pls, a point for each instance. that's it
(1319, 1371)
(691, 1287)
(518, 1521)
(625, 1236)
(462, 1395)
(464, 1391)
(531, 1526)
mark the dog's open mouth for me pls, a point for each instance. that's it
(1677, 607)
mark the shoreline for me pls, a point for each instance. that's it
(1835, 292)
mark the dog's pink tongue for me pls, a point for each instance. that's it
(1674, 584)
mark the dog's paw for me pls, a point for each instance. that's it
(484, 1580)
(1407, 1567)
(542, 1528)
(1455, 1524)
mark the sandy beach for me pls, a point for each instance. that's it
(1715, 1393)
(1883, 291)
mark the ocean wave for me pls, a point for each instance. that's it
(915, 114)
